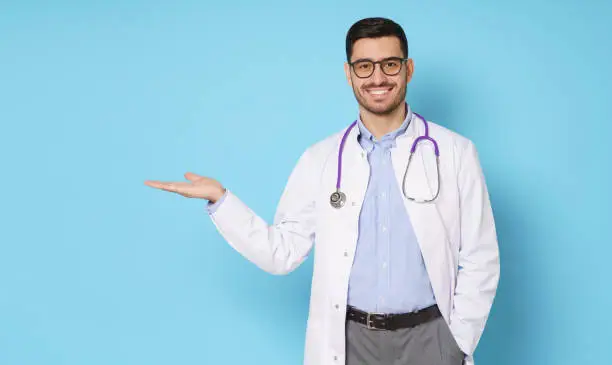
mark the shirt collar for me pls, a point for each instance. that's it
(368, 141)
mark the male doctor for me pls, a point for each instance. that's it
(395, 281)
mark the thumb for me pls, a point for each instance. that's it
(193, 177)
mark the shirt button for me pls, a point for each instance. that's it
(384, 265)
(384, 229)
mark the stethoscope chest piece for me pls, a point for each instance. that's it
(337, 199)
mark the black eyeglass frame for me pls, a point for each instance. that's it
(401, 60)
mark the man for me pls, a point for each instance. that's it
(396, 281)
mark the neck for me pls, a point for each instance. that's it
(379, 125)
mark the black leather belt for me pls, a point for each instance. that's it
(393, 322)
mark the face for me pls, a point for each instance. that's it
(379, 93)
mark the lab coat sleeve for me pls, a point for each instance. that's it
(281, 247)
(478, 276)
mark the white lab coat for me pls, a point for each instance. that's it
(458, 231)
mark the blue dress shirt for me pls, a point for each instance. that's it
(388, 274)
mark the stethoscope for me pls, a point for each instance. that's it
(338, 198)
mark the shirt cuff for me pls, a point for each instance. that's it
(212, 207)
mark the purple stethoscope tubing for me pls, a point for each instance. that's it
(338, 198)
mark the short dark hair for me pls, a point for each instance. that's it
(374, 28)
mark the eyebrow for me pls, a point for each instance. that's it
(382, 59)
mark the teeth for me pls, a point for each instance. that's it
(378, 92)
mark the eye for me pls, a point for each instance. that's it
(392, 63)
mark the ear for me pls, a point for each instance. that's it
(347, 71)
(409, 70)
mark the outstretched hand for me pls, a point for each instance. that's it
(198, 187)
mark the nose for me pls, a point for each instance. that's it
(378, 76)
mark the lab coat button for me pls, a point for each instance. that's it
(345, 254)
(337, 306)
(335, 358)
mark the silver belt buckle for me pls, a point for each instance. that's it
(368, 322)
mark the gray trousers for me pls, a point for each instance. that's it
(430, 343)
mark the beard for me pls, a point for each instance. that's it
(381, 109)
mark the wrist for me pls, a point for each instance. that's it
(217, 195)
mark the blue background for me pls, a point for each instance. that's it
(97, 97)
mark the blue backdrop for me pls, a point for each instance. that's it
(97, 97)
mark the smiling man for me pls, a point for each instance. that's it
(406, 266)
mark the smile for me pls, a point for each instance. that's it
(379, 91)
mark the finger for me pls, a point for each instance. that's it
(193, 177)
(154, 184)
(175, 187)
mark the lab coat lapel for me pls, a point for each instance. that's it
(355, 177)
(421, 181)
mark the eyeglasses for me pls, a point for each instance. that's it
(390, 66)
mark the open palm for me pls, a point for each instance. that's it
(197, 187)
